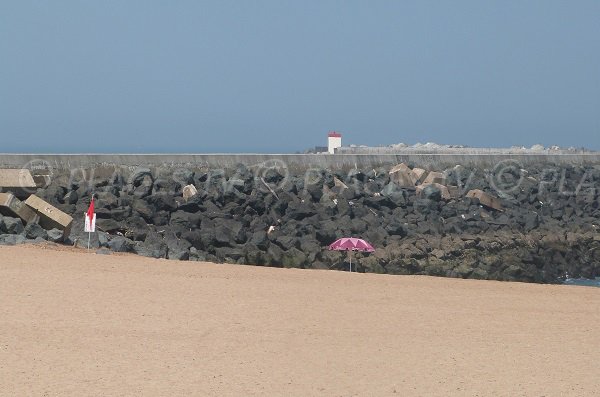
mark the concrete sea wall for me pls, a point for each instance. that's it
(293, 161)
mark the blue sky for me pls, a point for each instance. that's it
(276, 76)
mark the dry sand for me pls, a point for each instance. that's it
(81, 324)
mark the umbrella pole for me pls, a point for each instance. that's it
(350, 255)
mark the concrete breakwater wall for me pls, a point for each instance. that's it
(341, 162)
(533, 218)
(539, 224)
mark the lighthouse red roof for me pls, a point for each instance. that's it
(334, 134)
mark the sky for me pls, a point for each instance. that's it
(276, 76)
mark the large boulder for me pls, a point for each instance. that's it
(34, 231)
(433, 191)
(229, 233)
(178, 249)
(294, 258)
(162, 202)
(12, 239)
(395, 193)
(154, 246)
(55, 235)
(11, 225)
(187, 220)
(106, 200)
(430, 192)
(259, 240)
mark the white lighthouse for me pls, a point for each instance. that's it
(334, 141)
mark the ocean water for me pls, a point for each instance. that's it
(583, 281)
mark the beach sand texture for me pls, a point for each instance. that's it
(75, 323)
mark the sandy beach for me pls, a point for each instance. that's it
(75, 323)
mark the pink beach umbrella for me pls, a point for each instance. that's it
(351, 244)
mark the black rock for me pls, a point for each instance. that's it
(233, 254)
(109, 225)
(160, 218)
(139, 176)
(12, 225)
(106, 200)
(298, 210)
(259, 239)
(118, 214)
(154, 246)
(55, 235)
(194, 237)
(185, 219)
(136, 228)
(394, 193)
(229, 232)
(53, 194)
(178, 248)
(432, 192)
(327, 233)
(378, 202)
(194, 204)
(71, 197)
(294, 258)
(162, 202)
(532, 221)
(143, 208)
(121, 244)
(34, 231)
(396, 228)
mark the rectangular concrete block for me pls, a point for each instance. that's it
(50, 216)
(12, 206)
(435, 177)
(400, 167)
(401, 175)
(20, 182)
(16, 178)
(418, 175)
(485, 199)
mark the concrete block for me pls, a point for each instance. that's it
(418, 175)
(443, 189)
(12, 206)
(485, 199)
(435, 177)
(50, 216)
(399, 167)
(189, 191)
(17, 181)
(339, 184)
(401, 175)
(41, 181)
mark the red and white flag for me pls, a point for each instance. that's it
(90, 218)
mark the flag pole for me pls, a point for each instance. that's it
(89, 218)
